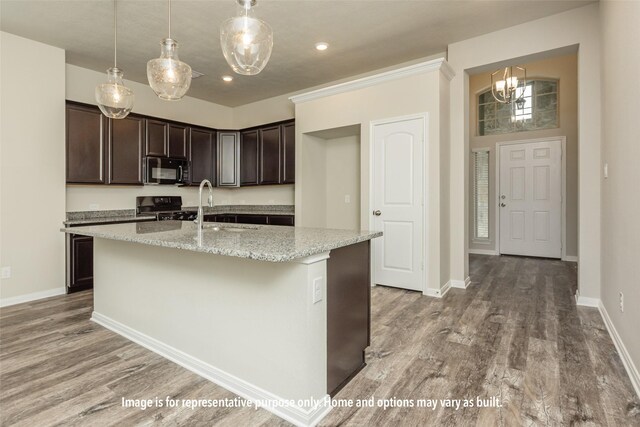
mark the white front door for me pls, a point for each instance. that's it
(530, 199)
(398, 165)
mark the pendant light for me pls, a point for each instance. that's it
(246, 41)
(169, 77)
(504, 90)
(113, 97)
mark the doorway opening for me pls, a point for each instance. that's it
(332, 196)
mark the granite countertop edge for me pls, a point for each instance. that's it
(258, 256)
(129, 215)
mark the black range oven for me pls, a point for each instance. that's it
(164, 208)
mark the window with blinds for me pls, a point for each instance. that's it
(481, 195)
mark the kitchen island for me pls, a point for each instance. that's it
(270, 313)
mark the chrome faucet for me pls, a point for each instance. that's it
(200, 218)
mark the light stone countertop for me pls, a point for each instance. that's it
(109, 220)
(259, 242)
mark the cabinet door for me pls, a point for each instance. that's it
(86, 132)
(288, 153)
(228, 159)
(252, 219)
(81, 263)
(226, 218)
(178, 138)
(202, 155)
(249, 158)
(269, 155)
(156, 141)
(126, 139)
(281, 220)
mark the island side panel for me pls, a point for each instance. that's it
(348, 313)
(253, 320)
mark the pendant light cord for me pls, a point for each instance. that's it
(115, 33)
(169, 18)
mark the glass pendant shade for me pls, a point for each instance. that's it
(246, 41)
(114, 99)
(169, 77)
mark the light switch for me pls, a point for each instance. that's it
(6, 272)
(347, 198)
(317, 290)
(606, 170)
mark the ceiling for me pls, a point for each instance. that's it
(363, 35)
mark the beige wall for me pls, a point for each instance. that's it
(521, 43)
(266, 111)
(565, 69)
(405, 96)
(621, 151)
(80, 87)
(32, 135)
(343, 180)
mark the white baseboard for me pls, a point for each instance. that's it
(631, 369)
(438, 293)
(586, 301)
(296, 415)
(570, 258)
(461, 284)
(6, 302)
(483, 252)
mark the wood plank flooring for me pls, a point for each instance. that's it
(514, 334)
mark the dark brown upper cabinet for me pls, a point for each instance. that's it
(269, 147)
(202, 155)
(288, 167)
(126, 141)
(156, 143)
(178, 140)
(86, 136)
(249, 157)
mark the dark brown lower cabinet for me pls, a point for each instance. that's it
(348, 313)
(80, 263)
(251, 219)
(281, 220)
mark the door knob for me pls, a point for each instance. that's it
(502, 205)
(377, 212)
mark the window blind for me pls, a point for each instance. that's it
(481, 194)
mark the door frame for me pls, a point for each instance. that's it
(563, 188)
(425, 186)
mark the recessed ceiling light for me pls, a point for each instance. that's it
(227, 78)
(322, 46)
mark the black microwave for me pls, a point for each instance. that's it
(165, 170)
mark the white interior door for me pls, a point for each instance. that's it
(397, 203)
(530, 199)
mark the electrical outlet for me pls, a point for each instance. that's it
(621, 302)
(317, 290)
(606, 170)
(6, 272)
(347, 198)
(94, 207)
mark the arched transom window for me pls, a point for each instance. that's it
(538, 109)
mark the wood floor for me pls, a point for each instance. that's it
(515, 334)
